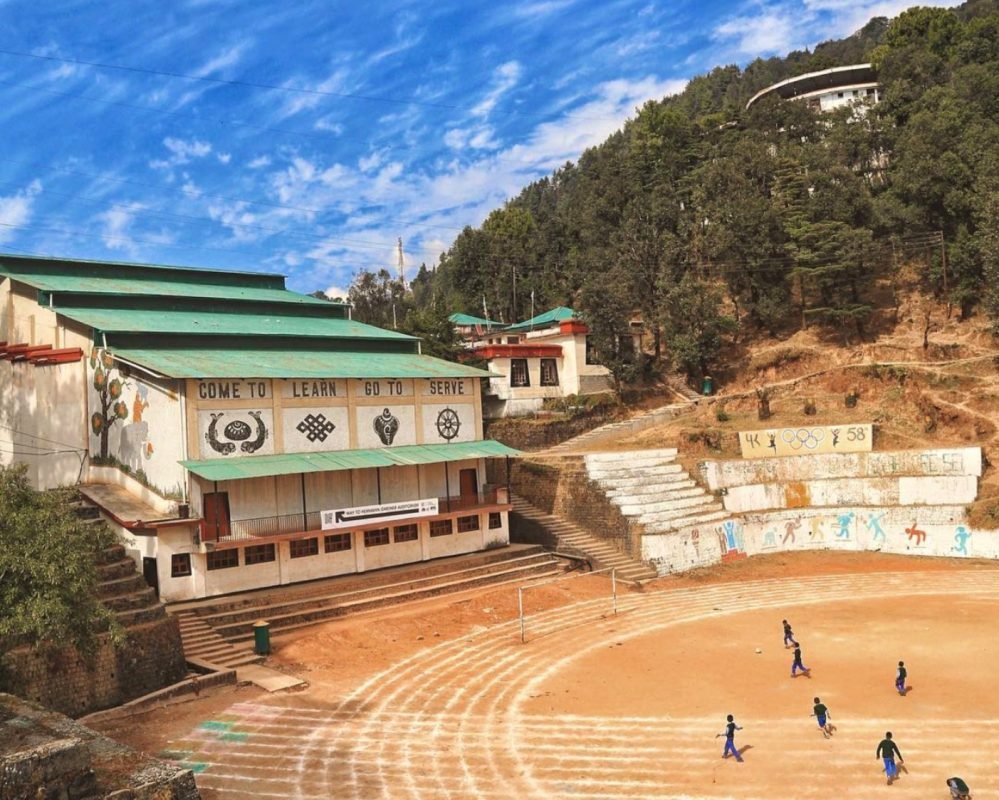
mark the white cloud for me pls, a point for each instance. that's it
(764, 33)
(762, 29)
(336, 291)
(446, 195)
(259, 162)
(181, 152)
(224, 158)
(505, 77)
(295, 102)
(326, 124)
(16, 210)
(226, 58)
(542, 8)
(117, 221)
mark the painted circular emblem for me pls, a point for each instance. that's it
(237, 430)
(448, 424)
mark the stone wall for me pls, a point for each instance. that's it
(151, 657)
(564, 489)
(540, 433)
(46, 755)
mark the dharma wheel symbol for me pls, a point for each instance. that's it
(448, 424)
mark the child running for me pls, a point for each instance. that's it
(729, 735)
(796, 664)
(788, 635)
(900, 677)
(887, 749)
(821, 713)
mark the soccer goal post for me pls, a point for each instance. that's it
(612, 571)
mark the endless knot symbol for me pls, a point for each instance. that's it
(315, 427)
(448, 424)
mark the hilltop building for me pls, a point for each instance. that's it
(544, 357)
(828, 89)
(236, 434)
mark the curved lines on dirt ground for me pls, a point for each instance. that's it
(449, 722)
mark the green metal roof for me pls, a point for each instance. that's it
(84, 284)
(560, 314)
(286, 362)
(225, 469)
(468, 319)
(222, 323)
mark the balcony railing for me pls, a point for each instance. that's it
(303, 522)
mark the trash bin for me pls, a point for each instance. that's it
(707, 386)
(262, 638)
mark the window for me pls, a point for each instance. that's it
(259, 554)
(223, 559)
(440, 527)
(518, 372)
(376, 537)
(405, 533)
(180, 565)
(839, 94)
(513, 340)
(495, 520)
(591, 356)
(549, 372)
(301, 548)
(337, 542)
(469, 523)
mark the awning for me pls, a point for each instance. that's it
(227, 469)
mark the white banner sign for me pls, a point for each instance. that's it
(386, 512)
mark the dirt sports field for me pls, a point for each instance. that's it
(443, 700)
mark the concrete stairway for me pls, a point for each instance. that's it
(575, 541)
(652, 489)
(288, 608)
(634, 424)
(204, 644)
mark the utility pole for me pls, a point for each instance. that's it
(943, 265)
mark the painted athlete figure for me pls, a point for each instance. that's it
(729, 735)
(821, 713)
(887, 750)
(788, 634)
(900, 675)
(796, 664)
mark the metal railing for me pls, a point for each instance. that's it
(305, 522)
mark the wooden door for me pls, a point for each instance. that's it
(469, 482)
(216, 524)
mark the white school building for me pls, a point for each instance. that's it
(239, 435)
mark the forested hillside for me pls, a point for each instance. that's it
(715, 221)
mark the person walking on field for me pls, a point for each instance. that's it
(887, 750)
(788, 635)
(821, 713)
(900, 677)
(796, 664)
(729, 735)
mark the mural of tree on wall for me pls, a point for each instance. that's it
(109, 391)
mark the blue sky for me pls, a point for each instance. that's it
(305, 138)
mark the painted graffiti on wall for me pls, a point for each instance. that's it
(937, 531)
(235, 432)
(109, 387)
(806, 440)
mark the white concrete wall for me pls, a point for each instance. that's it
(42, 409)
(905, 491)
(286, 570)
(790, 469)
(930, 530)
(149, 441)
